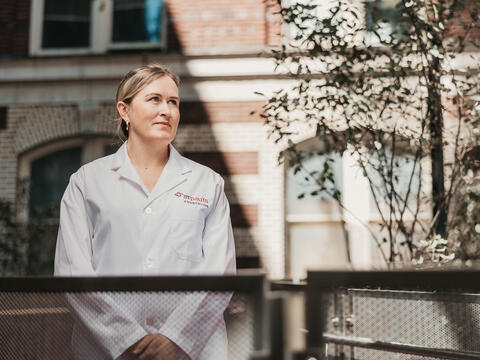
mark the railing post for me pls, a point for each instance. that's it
(315, 318)
(260, 321)
(277, 326)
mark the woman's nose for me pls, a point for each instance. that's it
(163, 108)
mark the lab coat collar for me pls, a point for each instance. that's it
(175, 172)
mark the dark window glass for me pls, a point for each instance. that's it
(3, 117)
(66, 24)
(49, 178)
(385, 21)
(137, 21)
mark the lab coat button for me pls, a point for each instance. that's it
(148, 210)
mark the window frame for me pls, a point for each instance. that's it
(101, 27)
(288, 30)
(357, 198)
(92, 148)
(372, 39)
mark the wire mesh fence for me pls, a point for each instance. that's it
(220, 319)
(394, 315)
(349, 315)
(425, 319)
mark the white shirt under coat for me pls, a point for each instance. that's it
(110, 224)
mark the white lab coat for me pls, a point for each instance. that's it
(110, 224)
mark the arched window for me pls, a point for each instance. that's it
(49, 178)
(44, 174)
(320, 233)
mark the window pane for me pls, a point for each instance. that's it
(137, 20)
(316, 246)
(66, 24)
(406, 178)
(49, 178)
(297, 184)
(384, 22)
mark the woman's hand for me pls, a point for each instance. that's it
(155, 347)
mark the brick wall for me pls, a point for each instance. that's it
(464, 22)
(214, 24)
(197, 26)
(196, 112)
(14, 27)
(8, 158)
(42, 124)
(234, 145)
(193, 26)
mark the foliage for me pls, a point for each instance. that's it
(389, 84)
(12, 246)
(27, 248)
(465, 228)
(433, 250)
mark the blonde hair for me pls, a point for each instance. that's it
(133, 82)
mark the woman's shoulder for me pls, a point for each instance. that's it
(105, 162)
(95, 167)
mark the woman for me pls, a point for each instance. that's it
(146, 210)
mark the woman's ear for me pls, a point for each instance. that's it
(122, 109)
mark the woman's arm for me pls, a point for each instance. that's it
(111, 326)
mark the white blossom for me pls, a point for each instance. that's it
(477, 228)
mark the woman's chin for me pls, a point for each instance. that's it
(166, 138)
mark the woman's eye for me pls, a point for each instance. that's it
(174, 102)
(155, 98)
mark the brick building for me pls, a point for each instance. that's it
(60, 63)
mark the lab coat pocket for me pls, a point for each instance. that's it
(186, 237)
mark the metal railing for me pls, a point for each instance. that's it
(35, 318)
(349, 315)
(393, 314)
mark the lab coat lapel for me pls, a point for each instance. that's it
(176, 172)
(123, 167)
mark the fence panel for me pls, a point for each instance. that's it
(394, 315)
(93, 318)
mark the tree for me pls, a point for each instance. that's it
(27, 247)
(12, 245)
(389, 83)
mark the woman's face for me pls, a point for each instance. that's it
(153, 113)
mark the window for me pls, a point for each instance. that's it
(44, 174)
(3, 117)
(320, 234)
(314, 13)
(137, 21)
(315, 235)
(66, 24)
(384, 22)
(62, 27)
(47, 171)
(49, 178)
(406, 181)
